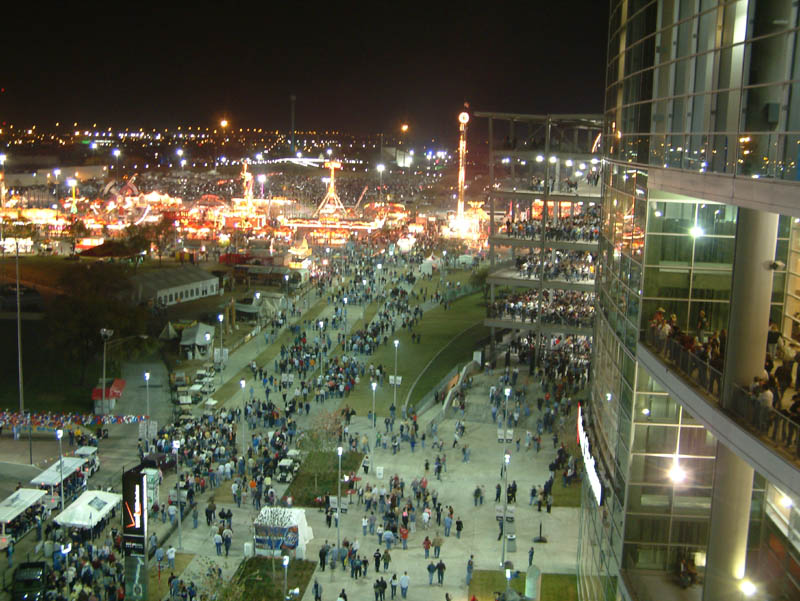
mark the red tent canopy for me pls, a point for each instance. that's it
(113, 391)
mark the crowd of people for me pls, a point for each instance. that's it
(572, 266)
(580, 227)
(562, 307)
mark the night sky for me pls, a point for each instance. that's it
(357, 68)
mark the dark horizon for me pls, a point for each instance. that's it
(357, 73)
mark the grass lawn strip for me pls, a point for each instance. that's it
(302, 489)
(158, 587)
(436, 328)
(555, 587)
(259, 583)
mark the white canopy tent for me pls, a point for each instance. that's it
(193, 339)
(88, 509)
(282, 518)
(52, 475)
(17, 503)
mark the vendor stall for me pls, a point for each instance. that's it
(20, 513)
(281, 529)
(90, 511)
(72, 472)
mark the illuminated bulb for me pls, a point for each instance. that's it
(658, 214)
(696, 231)
(676, 473)
(645, 411)
(747, 587)
(786, 502)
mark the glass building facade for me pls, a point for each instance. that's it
(702, 96)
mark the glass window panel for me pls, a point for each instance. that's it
(717, 220)
(671, 250)
(679, 308)
(697, 441)
(655, 408)
(652, 438)
(644, 557)
(666, 283)
(649, 498)
(715, 313)
(690, 532)
(711, 285)
(651, 529)
(691, 501)
(674, 218)
(714, 250)
(699, 471)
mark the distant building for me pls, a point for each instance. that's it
(171, 286)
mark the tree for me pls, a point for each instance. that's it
(160, 234)
(95, 296)
(74, 231)
(319, 441)
(478, 279)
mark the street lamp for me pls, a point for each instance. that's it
(506, 459)
(116, 152)
(73, 184)
(338, 501)
(106, 335)
(244, 420)
(59, 436)
(374, 386)
(345, 322)
(381, 168)
(147, 387)
(286, 279)
(747, 587)
(262, 179)
(221, 318)
(285, 573)
(394, 399)
(208, 340)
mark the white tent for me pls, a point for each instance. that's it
(52, 475)
(196, 335)
(88, 509)
(285, 519)
(168, 333)
(14, 505)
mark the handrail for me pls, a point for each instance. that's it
(777, 427)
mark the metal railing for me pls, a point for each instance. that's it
(775, 427)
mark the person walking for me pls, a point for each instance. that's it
(530, 556)
(386, 559)
(459, 527)
(437, 545)
(440, 568)
(194, 517)
(171, 557)
(317, 590)
(218, 542)
(426, 544)
(227, 539)
(431, 572)
(377, 557)
(393, 584)
(404, 582)
(470, 567)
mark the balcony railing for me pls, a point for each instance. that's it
(777, 428)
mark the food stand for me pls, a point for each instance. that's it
(280, 529)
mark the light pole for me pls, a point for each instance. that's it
(345, 323)
(208, 340)
(220, 317)
(286, 279)
(394, 400)
(147, 387)
(381, 168)
(506, 460)
(285, 573)
(262, 179)
(338, 502)
(319, 354)
(244, 420)
(59, 435)
(374, 419)
(105, 334)
(176, 445)
(116, 152)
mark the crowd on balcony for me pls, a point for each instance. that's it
(572, 266)
(562, 307)
(583, 227)
(768, 404)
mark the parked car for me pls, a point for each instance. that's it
(30, 581)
